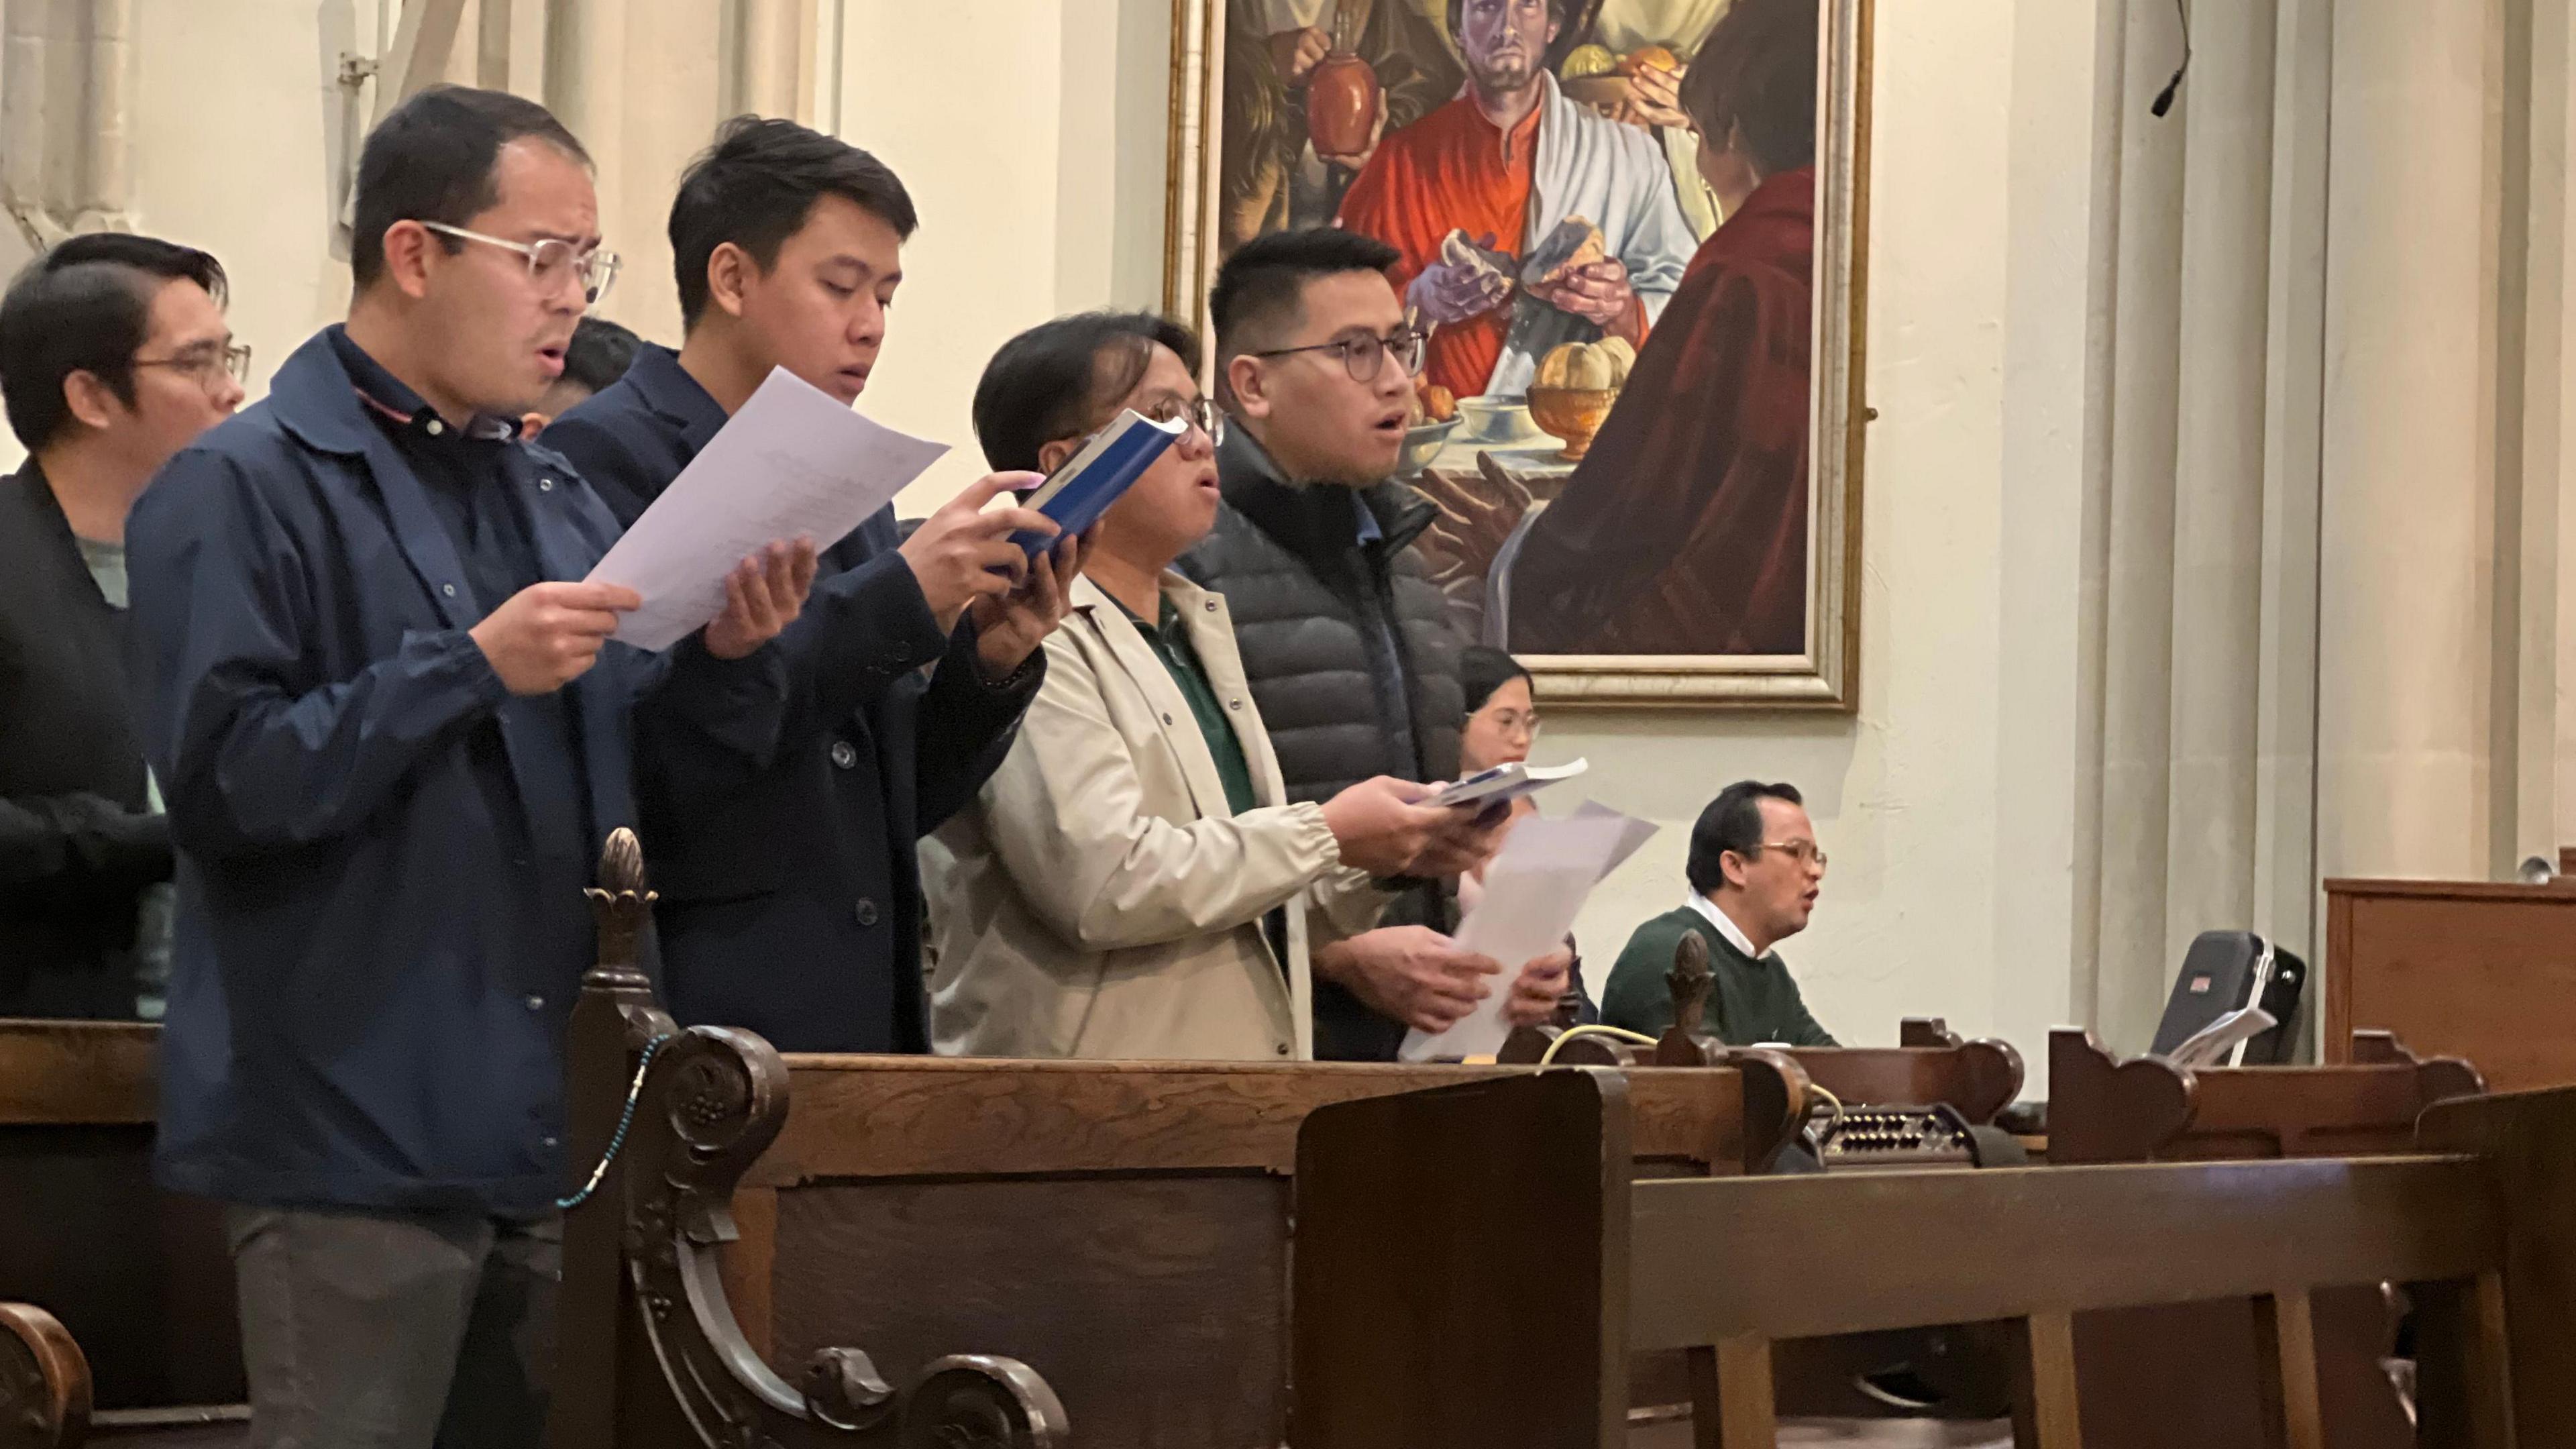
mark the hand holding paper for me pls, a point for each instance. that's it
(1533, 891)
(763, 595)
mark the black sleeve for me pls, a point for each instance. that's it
(80, 847)
(967, 725)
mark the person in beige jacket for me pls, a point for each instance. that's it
(1130, 882)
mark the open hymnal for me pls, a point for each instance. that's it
(1505, 783)
(1076, 494)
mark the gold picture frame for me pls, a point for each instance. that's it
(1824, 678)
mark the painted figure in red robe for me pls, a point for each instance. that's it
(1685, 528)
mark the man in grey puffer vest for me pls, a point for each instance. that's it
(1352, 661)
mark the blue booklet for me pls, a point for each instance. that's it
(1076, 494)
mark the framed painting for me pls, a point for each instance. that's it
(1640, 411)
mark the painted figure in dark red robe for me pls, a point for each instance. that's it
(1684, 530)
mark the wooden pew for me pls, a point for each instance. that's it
(107, 1272)
(1108, 1240)
(1408, 1337)
(2149, 1110)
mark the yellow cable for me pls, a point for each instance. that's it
(1570, 1033)
(1835, 1125)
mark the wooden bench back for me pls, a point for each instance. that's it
(1119, 1229)
(141, 1280)
(2149, 1110)
(1929, 1065)
(1409, 1335)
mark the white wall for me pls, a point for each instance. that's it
(1038, 170)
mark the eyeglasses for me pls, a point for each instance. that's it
(1361, 355)
(1513, 722)
(1200, 413)
(207, 362)
(1801, 851)
(550, 259)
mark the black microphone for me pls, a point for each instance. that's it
(2165, 97)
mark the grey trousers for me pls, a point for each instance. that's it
(373, 1330)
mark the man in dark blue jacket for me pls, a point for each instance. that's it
(790, 895)
(391, 735)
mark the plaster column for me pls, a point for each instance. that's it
(2128, 635)
(2407, 538)
(2218, 479)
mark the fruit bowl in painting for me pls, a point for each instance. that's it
(1571, 414)
(1497, 422)
(1422, 443)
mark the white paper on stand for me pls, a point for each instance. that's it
(1533, 890)
(793, 462)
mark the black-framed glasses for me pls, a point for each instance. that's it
(207, 362)
(1362, 355)
(1199, 412)
(550, 259)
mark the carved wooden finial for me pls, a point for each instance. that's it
(1682, 1044)
(1569, 1011)
(1689, 981)
(620, 901)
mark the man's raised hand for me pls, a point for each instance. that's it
(962, 553)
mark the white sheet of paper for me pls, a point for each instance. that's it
(1633, 833)
(1533, 891)
(792, 462)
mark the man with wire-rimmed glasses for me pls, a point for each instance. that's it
(114, 354)
(1344, 637)
(392, 730)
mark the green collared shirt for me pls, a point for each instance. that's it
(1169, 638)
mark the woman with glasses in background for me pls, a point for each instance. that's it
(1501, 728)
(1132, 881)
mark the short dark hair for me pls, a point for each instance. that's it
(599, 354)
(1756, 73)
(756, 186)
(86, 306)
(1264, 280)
(437, 158)
(1054, 380)
(1483, 669)
(1732, 822)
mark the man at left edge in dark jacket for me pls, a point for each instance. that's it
(114, 354)
(791, 894)
(392, 733)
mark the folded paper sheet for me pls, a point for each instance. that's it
(792, 463)
(1533, 891)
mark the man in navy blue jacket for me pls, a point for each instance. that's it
(790, 894)
(392, 734)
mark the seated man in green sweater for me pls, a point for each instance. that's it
(1754, 873)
